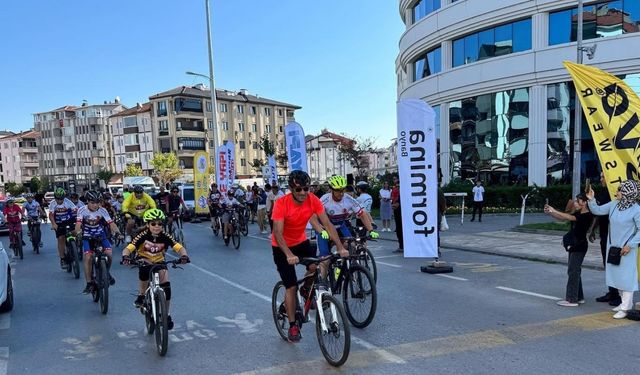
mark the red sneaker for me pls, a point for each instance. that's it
(294, 333)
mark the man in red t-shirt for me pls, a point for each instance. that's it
(293, 212)
(13, 215)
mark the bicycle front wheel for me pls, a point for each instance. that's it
(367, 261)
(161, 321)
(335, 338)
(75, 263)
(178, 235)
(36, 236)
(278, 310)
(235, 237)
(103, 286)
(19, 246)
(359, 296)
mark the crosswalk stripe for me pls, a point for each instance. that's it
(4, 360)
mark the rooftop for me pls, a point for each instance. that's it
(203, 92)
(139, 108)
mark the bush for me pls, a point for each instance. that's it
(509, 197)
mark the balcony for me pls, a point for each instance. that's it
(30, 164)
(28, 150)
(97, 153)
(163, 132)
(185, 124)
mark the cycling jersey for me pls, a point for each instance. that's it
(295, 217)
(365, 201)
(161, 198)
(338, 212)
(175, 201)
(62, 212)
(79, 204)
(12, 213)
(151, 247)
(93, 221)
(228, 203)
(214, 197)
(137, 207)
(33, 209)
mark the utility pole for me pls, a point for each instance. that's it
(577, 130)
(214, 105)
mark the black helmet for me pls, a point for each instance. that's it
(92, 196)
(300, 178)
(73, 196)
(138, 189)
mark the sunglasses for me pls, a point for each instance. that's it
(155, 223)
(300, 188)
(338, 190)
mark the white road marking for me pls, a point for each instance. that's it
(452, 277)
(367, 345)
(387, 264)
(529, 293)
(4, 360)
(5, 321)
(388, 256)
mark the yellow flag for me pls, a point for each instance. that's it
(612, 110)
(201, 182)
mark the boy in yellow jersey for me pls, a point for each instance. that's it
(134, 206)
(151, 244)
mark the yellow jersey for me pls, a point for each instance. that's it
(137, 207)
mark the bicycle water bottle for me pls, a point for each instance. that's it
(336, 273)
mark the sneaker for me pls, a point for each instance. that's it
(169, 323)
(582, 302)
(294, 333)
(615, 301)
(264, 232)
(112, 280)
(139, 302)
(605, 298)
(566, 304)
(637, 305)
(620, 315)
(617, 308)
(87, 289)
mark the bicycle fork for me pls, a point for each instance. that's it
(323, 323)
(154, 286)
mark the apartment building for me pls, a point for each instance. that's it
(183, 120)
(76, 143)
(324, 158)
(19, 155)
(133, 138)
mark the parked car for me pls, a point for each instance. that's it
(187, 193)
(6, 284)
(4, 228)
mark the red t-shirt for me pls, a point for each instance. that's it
(395, 194)
(295, 217)
(12, 214)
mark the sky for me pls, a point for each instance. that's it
(334, 58)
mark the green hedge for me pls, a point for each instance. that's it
(509, 197)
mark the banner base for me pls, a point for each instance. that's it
(437, 266)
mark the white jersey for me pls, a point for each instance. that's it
(365, 201)
(339, 212)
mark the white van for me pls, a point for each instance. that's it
(187, 192)
(146, 182)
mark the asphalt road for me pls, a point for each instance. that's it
(493, 315)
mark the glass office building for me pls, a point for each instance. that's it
(493, 69)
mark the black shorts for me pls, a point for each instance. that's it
(143, 271)
(62, 228)
(288, 272)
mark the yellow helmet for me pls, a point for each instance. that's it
(337, 182)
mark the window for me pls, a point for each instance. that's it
(188, 105)
(191, 143)
(267, 111)
(162, 108)
(210, 124)
(131, 139)
(602, 20)
(427, 64)
(254, 127)
(267, 128)
(163, 127)
(280, 112)
(208, 106)
(225, 125)
(255, 145)
(253, 110)
(242, 145)
(212, 145)
(223, 107)
(130, 122)
(492, 42)
(424, 8)
(241, 126)
(239, 109)
(243, 162)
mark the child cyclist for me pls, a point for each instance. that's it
(151, 244)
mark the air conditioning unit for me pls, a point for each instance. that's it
(179, 126)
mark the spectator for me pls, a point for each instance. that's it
(385, 207)
(624, 220)
(261, 198)
(272, 196)
(397, 214)
(612, 296)
(365, 200)
(478, 200)
(249, 197)
(581, 220)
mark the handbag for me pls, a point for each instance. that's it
(614, 256)
(569, 240)
(444, 226)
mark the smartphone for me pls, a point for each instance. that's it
(587, 185)
(546, 201)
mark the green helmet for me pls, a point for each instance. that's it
(337, 182)
(59, 193)
(153, 214)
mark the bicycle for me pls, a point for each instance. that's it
(235, 229)
(33, 223)
(243, 223)
(331, 320)
(357, 286)
(357, 246)
(71, 257)
(154, 307)
(15, 240)
(100, 274)
(175, 229)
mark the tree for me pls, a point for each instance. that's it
(282, 159)
(357, 153)
(166, 167)
(14, 188)
(257, 165)
(133, 170)
(46, 183)
(105, 175)
(267, 146)
(35, 185)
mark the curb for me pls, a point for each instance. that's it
(538, 231)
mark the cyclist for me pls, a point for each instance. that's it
(365, 200)
(339, 208)
(90, 221)
(135, 206)
(228, 204)
(75, 198)
(173, 203)
(117, 203)
(161, 199)
(152, 243)
(61, 216)
(13, 215)
(32, 210)
(214, 202)
(290, 215)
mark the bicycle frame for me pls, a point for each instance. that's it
(319, 289)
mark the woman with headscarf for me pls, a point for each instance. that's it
(624, 232)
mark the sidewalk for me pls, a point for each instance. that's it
(496, 235)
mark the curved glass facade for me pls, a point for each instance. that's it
(492, 42)
(600, 20)
(427, 64)
(489, 137)
(423, 8)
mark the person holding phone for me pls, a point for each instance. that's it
(624, 233)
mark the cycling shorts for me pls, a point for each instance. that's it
(106, 245)
(323, 245)
(64, 228)
(143, 271)
(288, 272)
